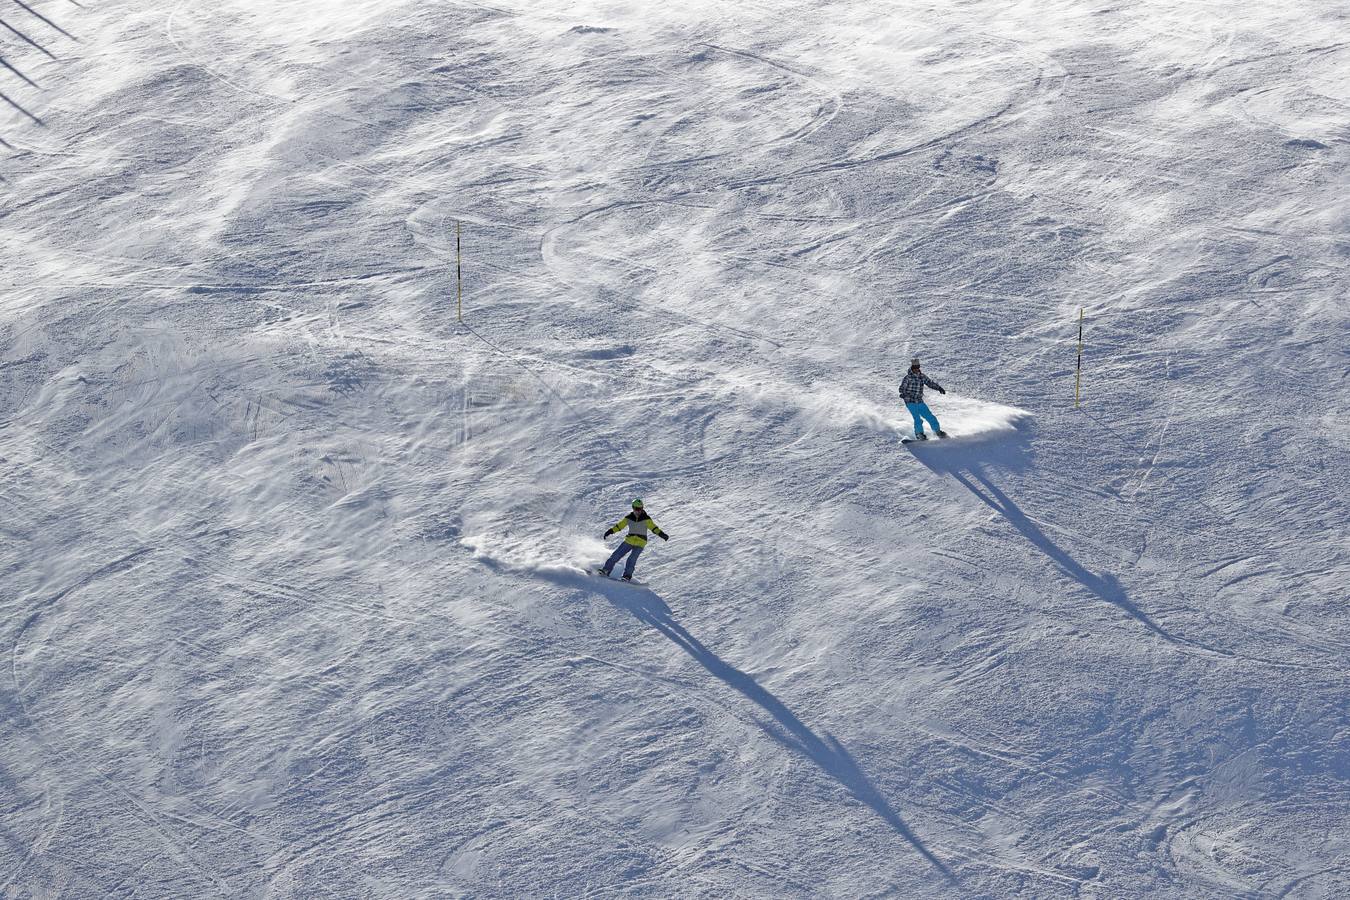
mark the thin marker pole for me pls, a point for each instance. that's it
(459, 278)
(1078, 375)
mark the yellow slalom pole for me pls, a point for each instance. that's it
(1078, 376)
(459, 278)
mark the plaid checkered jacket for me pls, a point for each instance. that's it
(911, 387)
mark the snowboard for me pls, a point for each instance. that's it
(603, 577)
(940, 437)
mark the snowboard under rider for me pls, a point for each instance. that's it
(638, 524)
(911, 391)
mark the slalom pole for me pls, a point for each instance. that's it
(459, 278)
(1078, 374)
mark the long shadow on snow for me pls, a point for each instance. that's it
(46, 21)
(27, 40)
(5, 64)
(12, 69)
(967, 464)
(14, 103)
(827, 753)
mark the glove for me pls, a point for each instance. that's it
(608, 533)
(941, 391)
(664, 536)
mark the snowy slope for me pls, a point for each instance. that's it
(290, 598)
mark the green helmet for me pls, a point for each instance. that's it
(637, 504)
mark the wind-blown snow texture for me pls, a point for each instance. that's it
(292, 603)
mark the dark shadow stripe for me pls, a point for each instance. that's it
(826, 753)
(6, 64)
(26, 39)
(50, 23)
(6, 98)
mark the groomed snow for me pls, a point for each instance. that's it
(294, 601)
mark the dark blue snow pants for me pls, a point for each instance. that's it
(619, 553)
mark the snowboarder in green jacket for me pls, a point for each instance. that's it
(638, 524)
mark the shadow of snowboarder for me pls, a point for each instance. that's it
(786, 728)
(967, 466)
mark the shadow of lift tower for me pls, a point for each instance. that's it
(9, 68)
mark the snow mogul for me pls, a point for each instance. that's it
(638, 524)
(911, 391)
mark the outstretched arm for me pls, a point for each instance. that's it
(656, 530)
(934, 385)
(616, 527)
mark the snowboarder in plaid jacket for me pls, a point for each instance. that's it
(638, 524)
(911, 391)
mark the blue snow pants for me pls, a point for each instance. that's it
(921, 409)
(618, 554)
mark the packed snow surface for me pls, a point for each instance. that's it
(294, 601)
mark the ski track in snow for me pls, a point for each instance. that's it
(294, 562)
